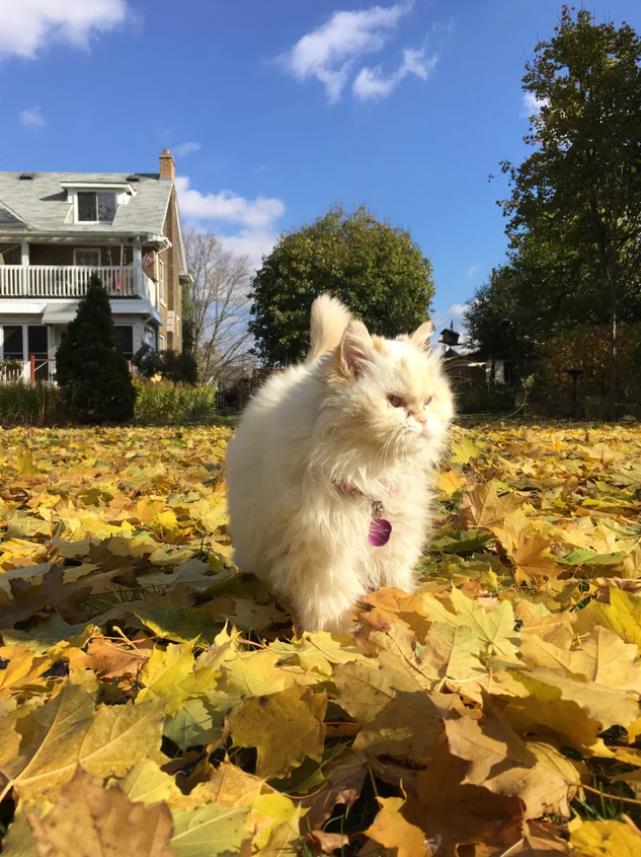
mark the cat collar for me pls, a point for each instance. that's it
(380, 529)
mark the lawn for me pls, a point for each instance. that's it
(155, 702)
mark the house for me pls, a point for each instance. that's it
(57, 229)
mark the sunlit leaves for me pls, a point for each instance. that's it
(145, 683)
(284, 727)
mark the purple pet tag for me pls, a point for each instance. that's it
(380, 531)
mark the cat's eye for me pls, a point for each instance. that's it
(396, 401)
(428, 401)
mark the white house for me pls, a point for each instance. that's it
(56, 229)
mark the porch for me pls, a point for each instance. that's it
(71, 281)
(28, 346)
(37, 369)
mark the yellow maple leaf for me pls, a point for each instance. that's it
(605, 839)
(392, 830)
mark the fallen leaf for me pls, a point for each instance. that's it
(392, 830)
(284, 727)
(209, 831)
(397, 716)
(605, 839)
(88, 820)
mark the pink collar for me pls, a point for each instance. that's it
(380, 528)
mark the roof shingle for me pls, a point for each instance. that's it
(41, 202)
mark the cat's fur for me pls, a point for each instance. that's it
(317, 427)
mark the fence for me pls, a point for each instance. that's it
(232, 397)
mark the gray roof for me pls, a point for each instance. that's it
(7, 218)
(41, 203)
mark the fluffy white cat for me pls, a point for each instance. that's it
(329, 474)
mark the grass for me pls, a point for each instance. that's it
(37, 405)
(169, 403)
(163, 403)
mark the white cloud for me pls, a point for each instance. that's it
(255, 218)
(184, 149)
(329, 52)
(226, 206)
(253, 243)
(372, 83)
(472, 271)
(29, 25)
(444, 26)
(531, 104)
(31, 117)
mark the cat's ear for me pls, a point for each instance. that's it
(421, 336)
(355, 349)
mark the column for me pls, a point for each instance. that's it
(137, 259)
(24, 261)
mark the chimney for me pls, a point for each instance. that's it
(167, 166)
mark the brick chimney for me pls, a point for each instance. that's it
(167, 166)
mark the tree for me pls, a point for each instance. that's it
(188, 338)
(576, 200)
(219, 303)
(376, 269)
(499, 325)
(91, 371)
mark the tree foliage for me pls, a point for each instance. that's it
(574, 213)
(496, 321)
(188, 335)
(92, 372)
(180, 367)
(376, 269)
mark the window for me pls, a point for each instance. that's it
(12, 337)
(96, 207)
(149, 337)
(38, 350)
(87, 258)
(125, 339)
(161, 282)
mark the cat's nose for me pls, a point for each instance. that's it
(421, 417)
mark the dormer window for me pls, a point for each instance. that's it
(96, 207)
(96, 203)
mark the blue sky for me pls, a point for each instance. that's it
(277, 110)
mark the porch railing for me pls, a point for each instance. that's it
(39, 368)
(14, 374)
(65, 281)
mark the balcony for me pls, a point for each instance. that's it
(70, 281)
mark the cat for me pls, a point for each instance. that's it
(329, 455)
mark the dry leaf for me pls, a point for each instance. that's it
(88, 820)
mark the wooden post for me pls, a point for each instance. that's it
(32, 368)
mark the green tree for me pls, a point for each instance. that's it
(574, 214)
(188, 337)
(499, 325)
(91, 371)
(376, 269)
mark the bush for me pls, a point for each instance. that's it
(39, 405)
(92, 372)
(161, 403)
(167, 402)
(588, 348)
(478, 399)
(172, 365)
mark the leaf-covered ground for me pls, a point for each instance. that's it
(153, 702)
